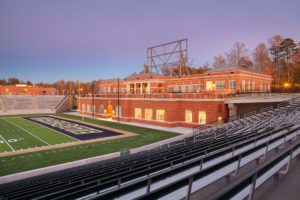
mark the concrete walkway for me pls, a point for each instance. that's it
(180, 130)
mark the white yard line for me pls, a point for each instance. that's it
(7, 143)
(26, 131)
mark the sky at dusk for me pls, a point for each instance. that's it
(66, 39)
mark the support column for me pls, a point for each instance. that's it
(232, 108)
(148, 88)
(134, 88)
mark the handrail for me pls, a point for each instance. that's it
(62, 101)
(251, 177)
(237, 117)
(186, 180)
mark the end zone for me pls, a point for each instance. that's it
(78, 129)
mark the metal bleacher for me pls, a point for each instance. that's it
(48, 101)
(27, 104)
(174, 170)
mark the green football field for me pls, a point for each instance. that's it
(17, 133)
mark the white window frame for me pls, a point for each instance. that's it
(188, 116)
(147, 111)
(160, 117)
(191, 88)
(137, 113)
(220, 85)
(231, 85)
(200, 119)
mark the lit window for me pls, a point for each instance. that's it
(148, 114)
(209, 85)
(88, 108)
(188, 116)
(253, 85)
(202, 117)
(160, 115)
(232, 85)
(220, 85)
(83, 107)
(138, 113)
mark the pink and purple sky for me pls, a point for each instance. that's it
(65, 39)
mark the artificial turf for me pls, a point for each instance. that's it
(44, 158)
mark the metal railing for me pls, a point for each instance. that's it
(246, 187)
(183, 186)
(199, 128)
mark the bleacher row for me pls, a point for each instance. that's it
(143, 174)
(15, 104)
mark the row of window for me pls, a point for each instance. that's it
(87, 108)
(219, 86)
(209, 85)
(160, 115)
(201, 117)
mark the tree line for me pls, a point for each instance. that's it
(62, 86)
(280, 58)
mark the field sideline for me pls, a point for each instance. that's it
(40, 136)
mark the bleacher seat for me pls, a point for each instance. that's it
(106, 177)
(27, 104)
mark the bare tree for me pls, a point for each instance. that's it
(237, 56)
(275, 40)
(231, 59)
(146, 69)
(13, 81)
(219, 61)
(239, 50)
(261, 57)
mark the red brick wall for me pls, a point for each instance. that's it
(174, 110)
(194, 79)
(14, 90)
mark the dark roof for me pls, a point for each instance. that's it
(144, 75)
(232, 68)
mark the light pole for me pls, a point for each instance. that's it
(79, 91)
(118, 99)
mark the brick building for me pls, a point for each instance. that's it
(172, 100)
(23, 89)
